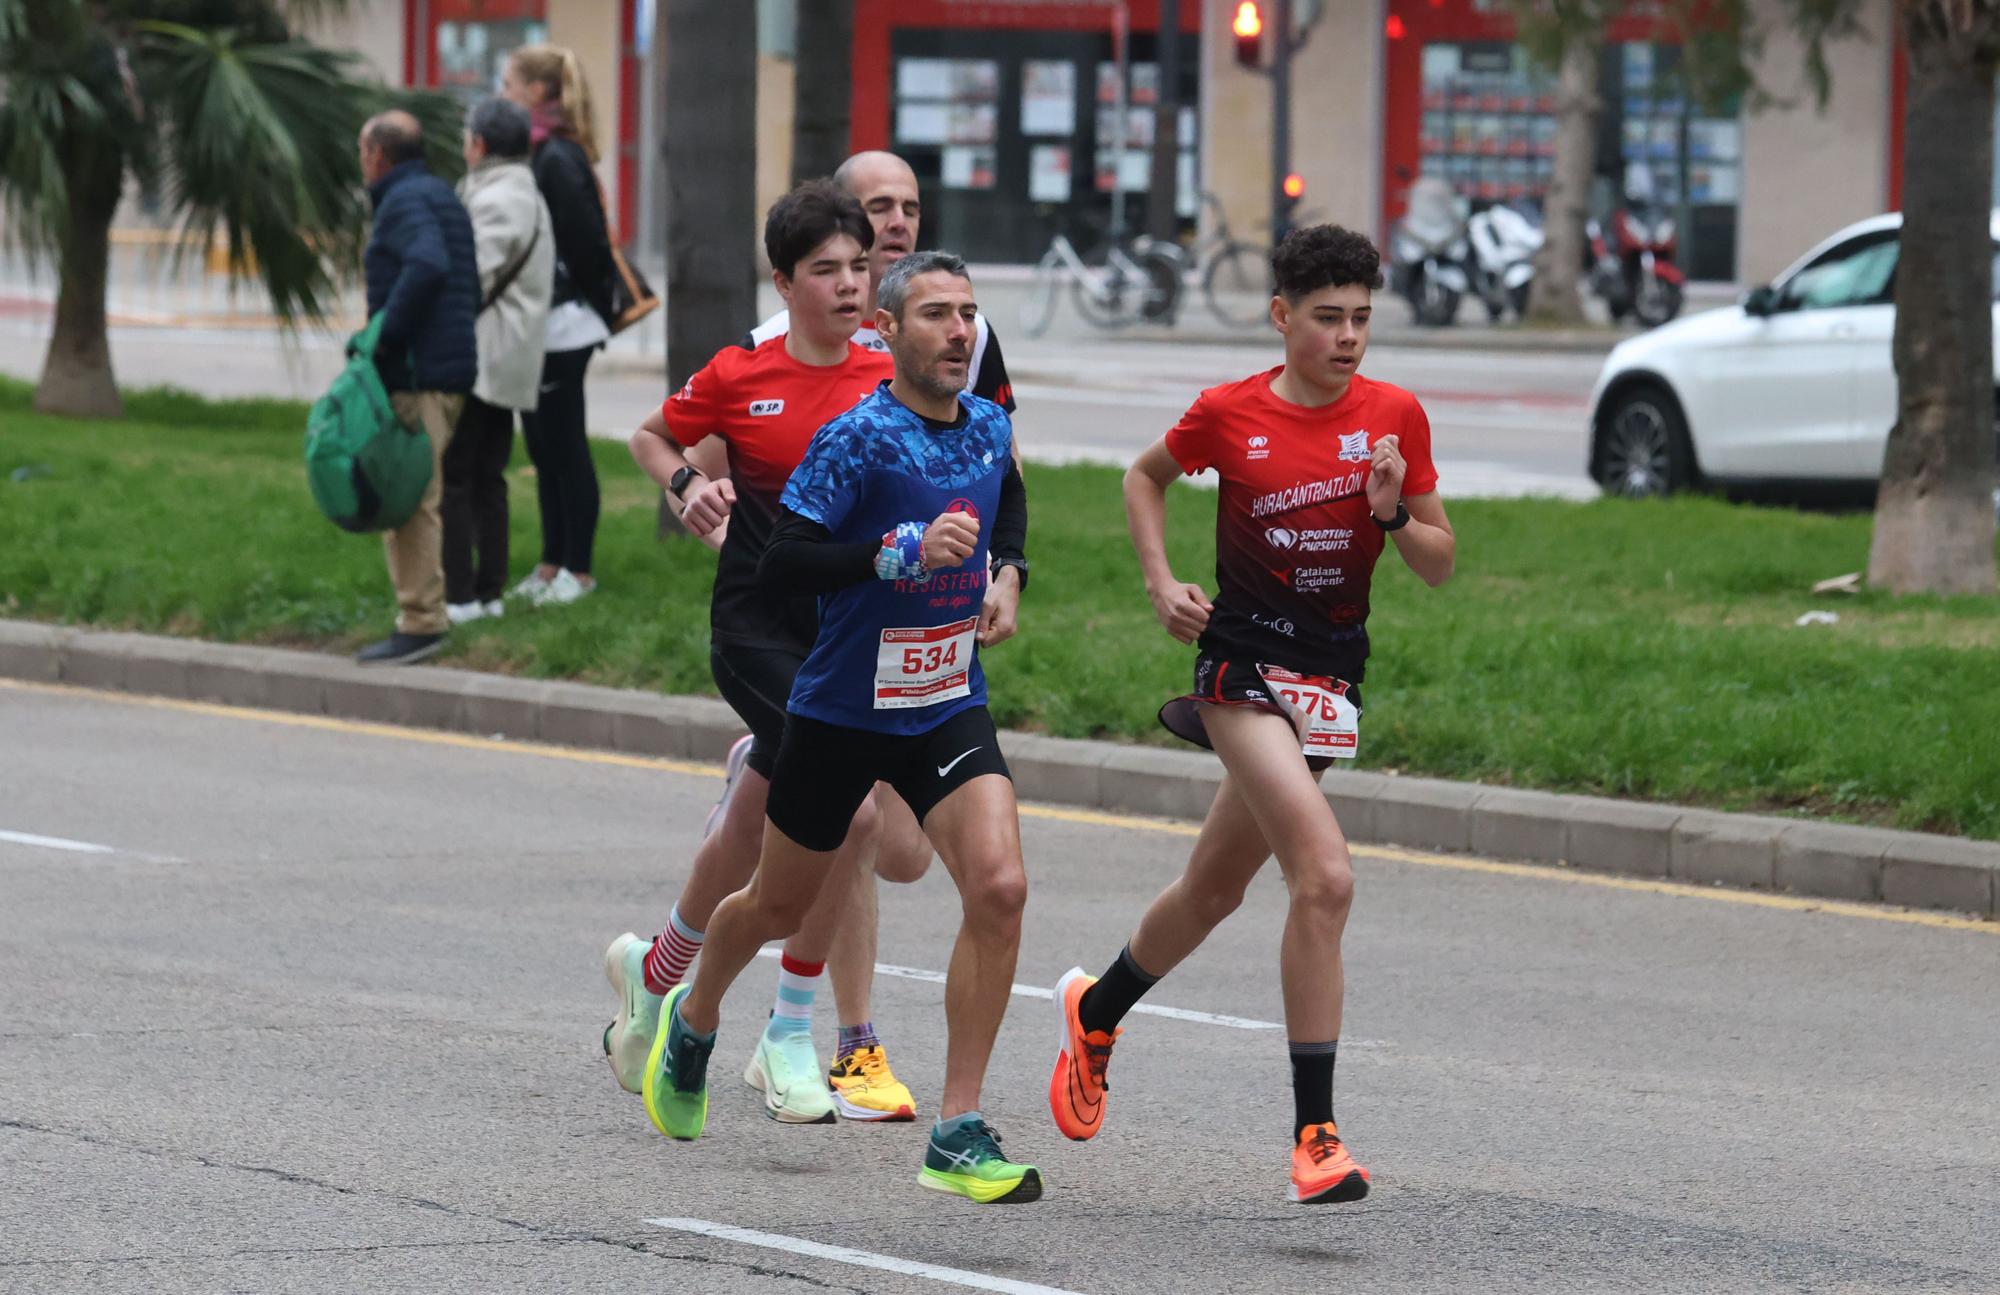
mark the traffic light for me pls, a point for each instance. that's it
(1248, 28)
(1293, 189)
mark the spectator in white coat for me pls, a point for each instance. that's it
(517, 256)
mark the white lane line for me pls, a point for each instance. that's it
(859, 1258)
(1035, 991)
(55, 843)
(78, 847)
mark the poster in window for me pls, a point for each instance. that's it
(973, 123)
(967, 168)
(923, 78)
(922, 123)
(1048, 97)
(1049, 173)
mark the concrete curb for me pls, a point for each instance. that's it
(1826, 860)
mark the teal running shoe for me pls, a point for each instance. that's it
(966, 1161)
(676, 1087)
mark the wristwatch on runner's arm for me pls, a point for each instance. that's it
(1020, 566)
(679, 481)
(1396, 523)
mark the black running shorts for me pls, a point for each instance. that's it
(757, 684)
(825, 771)
(1222, 681)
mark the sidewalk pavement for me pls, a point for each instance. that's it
(1826, 860)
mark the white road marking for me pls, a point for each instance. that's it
(78, 847)
(1144, 1009)
(859, 1258)
(56, 843)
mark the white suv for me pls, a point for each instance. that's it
(1794, 385)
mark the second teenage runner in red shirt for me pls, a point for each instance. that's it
(1320, 470)
(764, 402)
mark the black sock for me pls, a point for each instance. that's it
(1123, 983)
(1312, 1084)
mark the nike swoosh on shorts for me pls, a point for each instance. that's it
(944, 770)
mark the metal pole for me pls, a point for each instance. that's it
(1163, 195)
(1121, 23)
(1281, 113)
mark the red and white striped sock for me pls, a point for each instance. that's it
(673, 949)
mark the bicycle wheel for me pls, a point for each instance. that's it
(1237, 285)
(1108, 299)
(1038, 309)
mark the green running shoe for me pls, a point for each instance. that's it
(965, 1160)
(628, 1040)
(676, 1087)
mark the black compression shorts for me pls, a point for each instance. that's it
(825, 771)
(757, 684)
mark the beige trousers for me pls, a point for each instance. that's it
(416, 548)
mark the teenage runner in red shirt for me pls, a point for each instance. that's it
(1320, 469)
(764, 403)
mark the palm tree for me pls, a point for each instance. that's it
(1934, 523)
(217, 110)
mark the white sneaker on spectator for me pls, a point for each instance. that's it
(532, 586)
(460, 613)
(496, 608)
(564, 589)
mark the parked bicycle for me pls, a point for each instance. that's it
(1235, 274)
(1138, 279)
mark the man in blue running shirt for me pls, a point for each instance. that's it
(892, 518)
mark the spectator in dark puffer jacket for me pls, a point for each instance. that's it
(423, 278)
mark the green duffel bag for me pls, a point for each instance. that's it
(367, 468)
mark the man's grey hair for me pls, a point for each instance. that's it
(396, 134)
(502, 124)
(894, 289)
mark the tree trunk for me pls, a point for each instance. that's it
(76, 375)
(1554, 298)
(822, 88)
(1934, 525)
(709, 148)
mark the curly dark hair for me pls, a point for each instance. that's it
(1324, 256)
(808, 216)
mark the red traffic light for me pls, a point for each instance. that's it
(1248, 27)
(1295, 186)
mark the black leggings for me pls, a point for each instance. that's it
(475, 503)
(565, 478)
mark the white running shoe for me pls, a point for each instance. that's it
(628, 1040)
(531, 587)
(460, 613)
(788, 1073)
(496, 608)
(563, 590)
(739, 755)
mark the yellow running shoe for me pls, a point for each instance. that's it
(864, 1089)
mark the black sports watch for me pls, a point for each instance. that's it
(1020, 566)
(1396, 523)
(679, 481)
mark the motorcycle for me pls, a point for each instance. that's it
(1633, 268)
(1504, 240)
(1428, 249)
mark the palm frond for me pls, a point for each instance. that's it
(260, 143)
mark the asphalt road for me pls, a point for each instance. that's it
(320, 1011)
(1505, 422)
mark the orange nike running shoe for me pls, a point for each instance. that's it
(1077, 1085)
(1322, 1171)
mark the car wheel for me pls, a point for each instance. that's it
(1643, 449)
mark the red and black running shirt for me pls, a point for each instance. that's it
(1294, 546)
(765, 405)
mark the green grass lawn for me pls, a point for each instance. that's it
(1630, 649)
